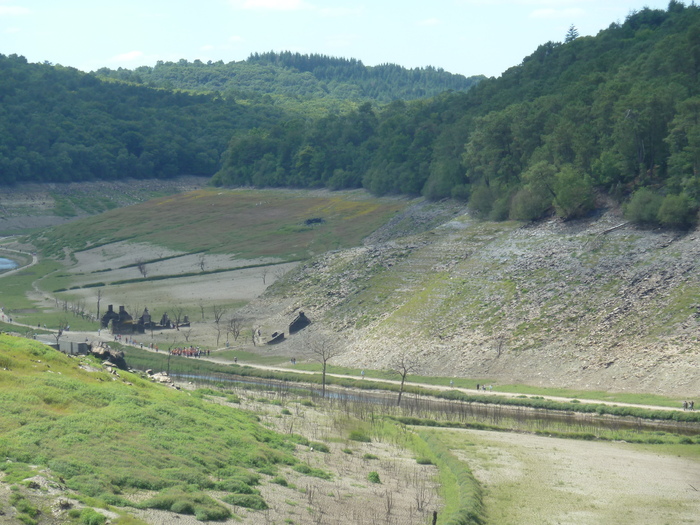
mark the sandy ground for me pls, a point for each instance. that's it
(540, 480)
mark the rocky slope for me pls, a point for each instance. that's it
(594, 304)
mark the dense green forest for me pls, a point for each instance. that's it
(606, 115)
(615, 115)
(294, 75)
(58, 124)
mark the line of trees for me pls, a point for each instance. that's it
(613, 113)
(295, 75)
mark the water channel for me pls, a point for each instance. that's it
(459, 412)
(7, 264)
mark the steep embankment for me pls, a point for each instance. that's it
(590, 304)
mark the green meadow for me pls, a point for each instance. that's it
(250, 223)
(108, 436)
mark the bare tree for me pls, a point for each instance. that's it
(403, 365)
(62, 325)
(263, 274)
(219, 312)
(322, 348)
(201, 262)
(99, 298)
(200, 303)
(234, 327)
(499, 343)
(179, 313)
(141, 265)
(187, 333)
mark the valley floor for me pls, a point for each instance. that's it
(535, 480)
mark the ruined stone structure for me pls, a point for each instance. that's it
(123, 323)
(299, 323)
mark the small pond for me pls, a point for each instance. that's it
(7, 264)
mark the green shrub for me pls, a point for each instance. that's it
(481, 201)
(306, 403)
(424, 461)
(314, 472)
(279, 480)
(347, 451)
(319, 447)
(203, 507)
(90, 516)
(23, 505)
(249, 501)
(370, 456)
(643, 208)
(373, 477)
(234, 485)
(574, 193)
(529, 205)
(285, 412)
(676, 211)
(359, 435)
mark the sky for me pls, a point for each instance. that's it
(470, 37)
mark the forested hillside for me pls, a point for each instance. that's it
(294, 75)
(58, 124)
(614, 113)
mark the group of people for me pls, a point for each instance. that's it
(484, 387)
(190, 351)
(688, 405)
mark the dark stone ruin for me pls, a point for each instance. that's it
(299, 323)
(123, 323)
(276, 337)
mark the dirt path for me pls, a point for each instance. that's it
(538, 480)
(103, 336)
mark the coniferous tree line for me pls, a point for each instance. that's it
(617, 114)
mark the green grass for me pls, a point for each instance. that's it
(267, 223)
(105, 437)
(251, 357)
(13, 292)
(461, 492)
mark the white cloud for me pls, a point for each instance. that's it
(271, 5)
(429, 22)
(12, 10)
(557, 13)
(127, 57)
(235, 39)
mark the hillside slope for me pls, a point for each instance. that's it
(594, 304)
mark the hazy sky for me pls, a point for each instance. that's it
(461, 36)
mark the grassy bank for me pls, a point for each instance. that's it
(107, 436)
